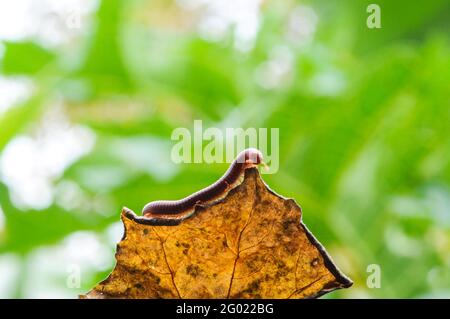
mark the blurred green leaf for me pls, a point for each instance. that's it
(24, 58)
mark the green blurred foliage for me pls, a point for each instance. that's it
(363, 118)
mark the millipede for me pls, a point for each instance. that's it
(167, 212)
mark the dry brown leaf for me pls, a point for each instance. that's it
(251, 244)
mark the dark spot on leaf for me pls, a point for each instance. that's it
(138, 286)
(252, 287)
(193, 270)
(289, 225)
(265, 202)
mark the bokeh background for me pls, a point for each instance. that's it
(90, 92)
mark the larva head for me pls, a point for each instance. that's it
(250, 156)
